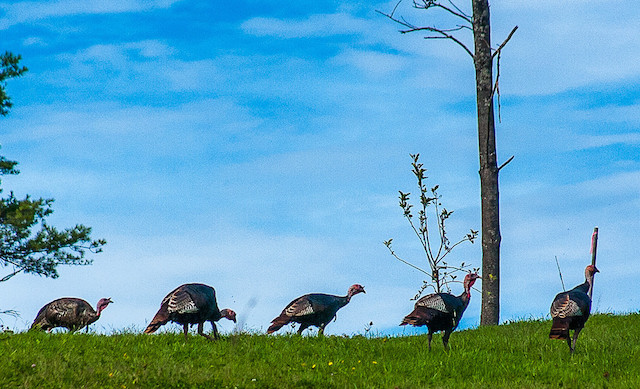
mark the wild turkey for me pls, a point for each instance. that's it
(570, 310)
(69, 312)
(441, 311)
(190, 304)
(315, 309)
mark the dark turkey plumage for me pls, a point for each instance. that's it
(441, 311)
(68, 312)
(190, 304)
(570, 310)
(315, 309)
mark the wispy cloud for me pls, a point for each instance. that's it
(371, 63)
(572, 45)
(31, 11)
(323, 25)
(592, 141)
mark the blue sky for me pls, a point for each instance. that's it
(259, 147)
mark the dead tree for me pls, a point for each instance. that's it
(483, 57)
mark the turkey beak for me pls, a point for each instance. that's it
(109, 300)
(596, 269)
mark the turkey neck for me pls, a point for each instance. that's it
(586, 287)
(347, 298)
(466, 295)
(100, 309)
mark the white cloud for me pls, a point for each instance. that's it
(150, 48)
(323, 25)
(119, 54)
(31, 11)
(559, 47)
(193, 75)
(592, 141)
(613, 115)
(34, 41)
(108, 127)
(371, 63)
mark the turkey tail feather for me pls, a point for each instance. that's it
(278, 323)
(417, 318)
(409, 320)
(559, 329)
(38, 322)
(413, 320)
(161, 318)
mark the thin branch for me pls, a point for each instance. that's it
(452, 247)
(441, 231)
(464, 268)
(428, 250)
(459, 14)
(412, 28)
(408, 263)
(505, 164)
(424, 244)
(8, 276)
(425, 234)
(496, 87)
(394, 8)
(429, 4)
(459, 10)
(559, 272)
(504, 42)
(457, 28)
(444, 34)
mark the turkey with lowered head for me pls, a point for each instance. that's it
(190, 304)
(69, 312)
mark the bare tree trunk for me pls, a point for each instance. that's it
(483, 61)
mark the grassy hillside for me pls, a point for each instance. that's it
(516, 355)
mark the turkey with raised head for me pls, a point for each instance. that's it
(190, 304)
(315, 309)
(441, 311)
(570, 310)
(69, 312)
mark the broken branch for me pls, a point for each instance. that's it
(504, 42)
(505, 164)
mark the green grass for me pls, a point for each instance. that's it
(515, 355)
